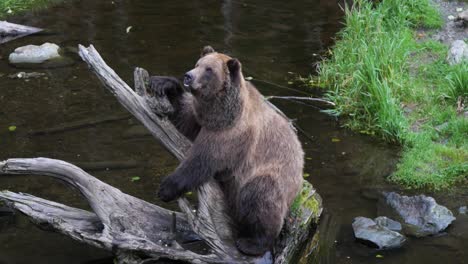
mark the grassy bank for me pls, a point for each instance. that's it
(388, 82)
(10, 7)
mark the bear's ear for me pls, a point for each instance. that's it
(207, 50)
(234, 65)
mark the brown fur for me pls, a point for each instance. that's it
(244, 144)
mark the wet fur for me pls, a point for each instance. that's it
(249, 149)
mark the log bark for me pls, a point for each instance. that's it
(137, 230)
(10, 31)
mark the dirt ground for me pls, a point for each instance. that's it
(451, 30)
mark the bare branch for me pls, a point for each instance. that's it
(300, 98)
(10, 31)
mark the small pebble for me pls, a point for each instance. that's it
(462, 210)
(451, 17)
(459, 9)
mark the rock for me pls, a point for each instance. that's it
(462, 210)
(26, 75)
(458, 52)
(441, 127)
(366, 229)
(451, 17)
(34, 54)
(388, 223)
(463, 16)
(420, 215)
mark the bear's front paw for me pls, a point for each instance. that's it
(163, 86)
(234, 66)
(169, 190)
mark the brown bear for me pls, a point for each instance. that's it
(240, 141)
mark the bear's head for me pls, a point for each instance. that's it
(216, 83)
(213, 74)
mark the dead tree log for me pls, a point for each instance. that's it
(133, 227)
(10, 31)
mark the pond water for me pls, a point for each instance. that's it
(271, 38)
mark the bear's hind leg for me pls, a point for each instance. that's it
(260, 215)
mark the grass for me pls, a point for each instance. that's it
(10, 7)
(388, 82)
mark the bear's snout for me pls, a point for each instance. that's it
(188, 79)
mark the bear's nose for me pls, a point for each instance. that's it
(188, 78)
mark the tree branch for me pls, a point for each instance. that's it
(300, 98)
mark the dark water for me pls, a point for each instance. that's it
(271, 38)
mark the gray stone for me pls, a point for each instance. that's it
(463, 16)
(388, 223)
(420, 215)
(458, 52)
(441, 127)
(34, 54)
(366, 229)
(26, 75)
(462, 210)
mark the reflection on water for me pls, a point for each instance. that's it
(271, 38)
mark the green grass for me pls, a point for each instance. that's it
(10, 7)
(387, 83)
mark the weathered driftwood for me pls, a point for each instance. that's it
(119, 221)
(133, 227)
(10, 31)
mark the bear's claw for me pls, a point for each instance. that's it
(250, 247)
(168, 190)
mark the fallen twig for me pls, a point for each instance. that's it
(300, 98)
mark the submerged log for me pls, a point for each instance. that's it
(10, 31)
(90, 122)
(137, 230)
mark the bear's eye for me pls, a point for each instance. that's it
(209, 69)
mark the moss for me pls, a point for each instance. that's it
(311, 246)
(10, 7)
(307, 205)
